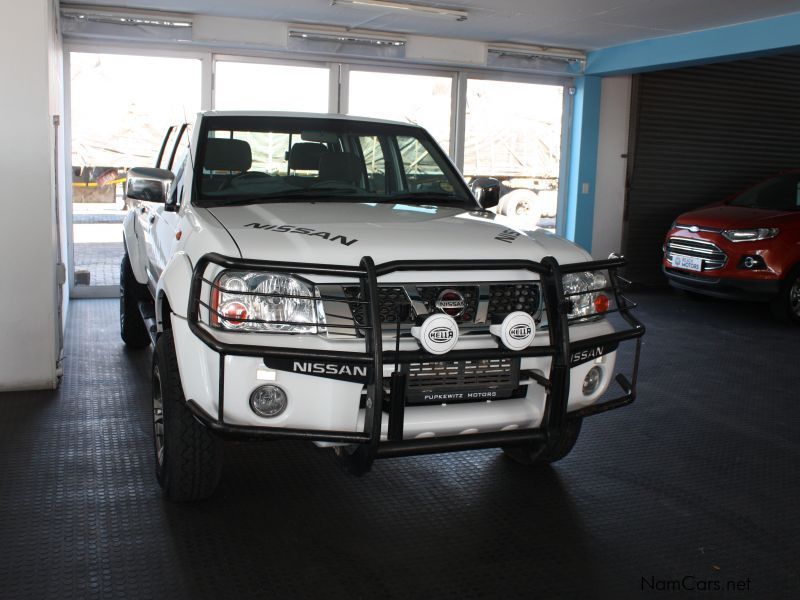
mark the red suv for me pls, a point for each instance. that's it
(746, 247)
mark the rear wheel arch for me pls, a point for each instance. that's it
(163, 312)
(786, 305)
(132, 245)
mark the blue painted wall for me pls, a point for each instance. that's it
(583, 161)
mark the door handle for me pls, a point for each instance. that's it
(152, 218)
(143, 209)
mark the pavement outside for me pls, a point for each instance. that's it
(97, 238)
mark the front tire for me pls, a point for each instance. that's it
(353, 459)
(786, 306)
(131, 325)
(537, 454)
(188, 456)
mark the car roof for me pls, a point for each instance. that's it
(301, 115)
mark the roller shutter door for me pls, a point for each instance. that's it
(700, 134)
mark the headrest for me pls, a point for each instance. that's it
(304, 156)
(224, 154)
(340, 166)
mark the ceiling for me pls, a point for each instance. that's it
(581, 24)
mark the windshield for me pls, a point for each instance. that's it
(258, 159)
(778, 193)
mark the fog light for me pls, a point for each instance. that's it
(592, 381)
(752, 263)
(268, 401)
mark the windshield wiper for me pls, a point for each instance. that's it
(320, 194)
(423, 197)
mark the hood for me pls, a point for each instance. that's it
(723, 216)
(343, 233)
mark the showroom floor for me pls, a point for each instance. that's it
(695, 484)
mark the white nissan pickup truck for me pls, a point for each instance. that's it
(334, 279)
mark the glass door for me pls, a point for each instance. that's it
(121, 106)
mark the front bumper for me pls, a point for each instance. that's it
(723, 287)
(330, 412)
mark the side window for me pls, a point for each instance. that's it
(375, 163)
(797, 195)
(176, 161)
(177, 189)
(166, 146)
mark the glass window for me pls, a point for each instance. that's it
(256, 86)
(513, 133)
(778, 193)
(419, 99)
(121, 108)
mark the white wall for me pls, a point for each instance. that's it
(611, 166)
(29, 51)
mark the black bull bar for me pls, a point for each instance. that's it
(368, 441)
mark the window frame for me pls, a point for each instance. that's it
(338, 95)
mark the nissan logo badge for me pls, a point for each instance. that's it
(440, 335)
(451, 302)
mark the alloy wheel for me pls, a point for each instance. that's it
(794, 297)
(158, 417)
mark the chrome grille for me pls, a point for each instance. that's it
(390, 299)
(483, 303)
(429, 294)
(712, 256)
(511, 297)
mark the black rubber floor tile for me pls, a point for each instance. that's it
(695, 485)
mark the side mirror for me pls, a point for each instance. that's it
(486, 191)
(148, 184)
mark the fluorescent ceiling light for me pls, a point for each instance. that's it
(345, 38)
(458, 15)
(533, 52)
(129, 17)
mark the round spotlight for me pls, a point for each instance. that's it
(268, 401)
(592, 381)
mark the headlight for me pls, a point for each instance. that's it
(265, 302)
(751, 235)
(587, 293)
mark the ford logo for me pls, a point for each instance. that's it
(440, 335)
(520, 332)
(451, 302)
